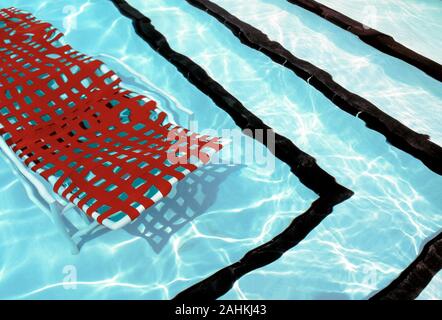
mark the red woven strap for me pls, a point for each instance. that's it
(108, 150)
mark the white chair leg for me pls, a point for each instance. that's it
(56, 212)
(34, 186)
(90, 228)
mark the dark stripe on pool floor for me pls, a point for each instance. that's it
(301, 164)
(413, 280)
(373, 37)
(221, 282)
(399, 135)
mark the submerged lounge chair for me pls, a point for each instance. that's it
(69, 128)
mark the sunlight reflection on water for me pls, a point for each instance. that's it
(362, 246)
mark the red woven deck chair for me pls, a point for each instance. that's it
(108, 151)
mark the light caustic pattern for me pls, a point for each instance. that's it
(368, 239)
(400, 90)
(358, 249)
(211, 213)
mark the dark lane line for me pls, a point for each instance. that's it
(221, 282)
(413, 280)
(301, 164)
(397, 134)
(373, 37)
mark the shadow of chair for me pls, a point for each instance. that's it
(188, 200)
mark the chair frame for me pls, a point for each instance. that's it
(53, 205)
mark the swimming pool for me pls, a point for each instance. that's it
(357, 250)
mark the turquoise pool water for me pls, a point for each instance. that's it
(357, 250)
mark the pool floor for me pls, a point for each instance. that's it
(356, 251)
